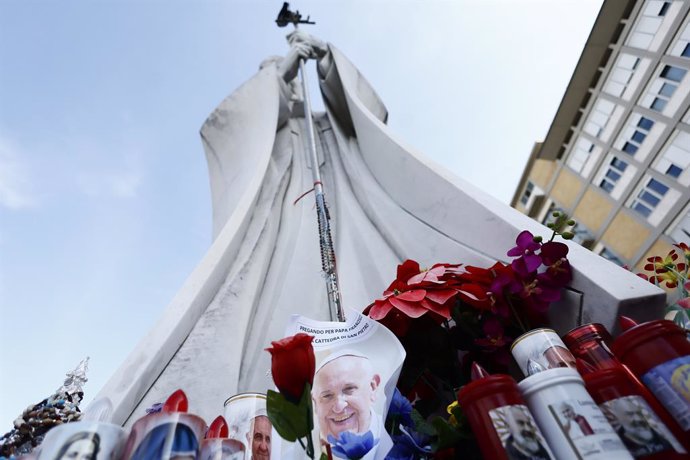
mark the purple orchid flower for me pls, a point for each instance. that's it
(527, 261)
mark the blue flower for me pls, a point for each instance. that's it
(352, 445)
(409, 446)
(401, 407)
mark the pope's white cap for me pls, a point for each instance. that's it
(340, 354)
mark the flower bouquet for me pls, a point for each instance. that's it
(446, 317)
(450, 315)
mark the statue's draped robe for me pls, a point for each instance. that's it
(387, 204)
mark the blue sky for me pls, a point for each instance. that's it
(104, 195)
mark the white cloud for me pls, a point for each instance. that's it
(16, 191)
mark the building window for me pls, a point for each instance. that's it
(549, 214)
(621, 81)
(608, 255)
(599, 119)
(674, 158)
(674, 171)
(638, 136)
(583, 156)
(614, 171)
(645, 123)
(664, 8)
(686, 51)
(681, 47)
(630, 148)
(652, 24)
(649, 197)
(673, 73)
(659, 104)
(527, 193)
(634, 134)
(679, 231)
(582, 235)
(663, 88)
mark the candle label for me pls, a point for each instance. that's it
(222, 449)
(638, 426)
(586, 429)
(165, 435)
(518, 433)
(87, 440)
(670, 383)
(539, 350)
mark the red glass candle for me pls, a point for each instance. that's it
(658, 353)
(592, 343)
(629, 411)
(216, 445)
(502, 424)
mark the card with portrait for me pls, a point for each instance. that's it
(357, 367)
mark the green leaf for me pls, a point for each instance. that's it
(324, 456)
(291, 421)
(448, 436)
(420, 425)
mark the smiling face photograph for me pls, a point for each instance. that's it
(353, 383)
(345, 390)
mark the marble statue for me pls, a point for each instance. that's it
(387, 203)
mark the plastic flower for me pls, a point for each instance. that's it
(558, 274)
(451, 416)
(527, 261)
(538, 295)
(416, 292)
(409, 445)
(292, 364)
(685, 249)
(478, 286)
(494, 338)
(665, 270)
(401, 407)
(351, 445)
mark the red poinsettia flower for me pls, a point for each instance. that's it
(398, 323)
(476, 295)
(407, 270)
(416, 292)
(433, 275)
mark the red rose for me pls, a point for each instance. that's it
(292, 364)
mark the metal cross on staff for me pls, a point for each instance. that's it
(285, 17)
